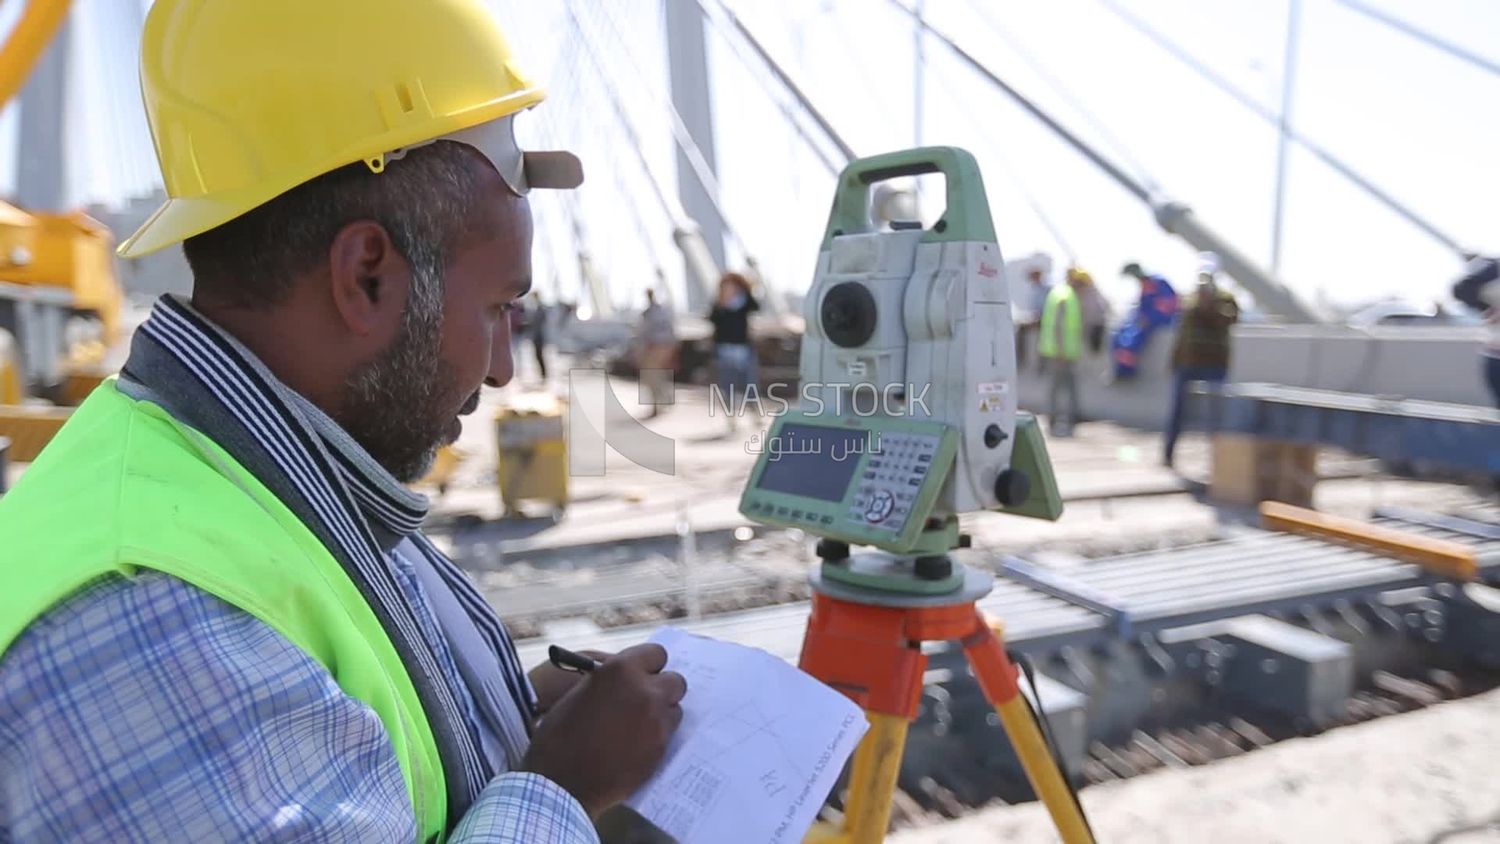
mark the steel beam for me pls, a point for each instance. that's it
(1060, 585)
(1452, 524)
(1462, 437)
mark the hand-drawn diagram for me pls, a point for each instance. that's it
(760, 742)
(700, 770)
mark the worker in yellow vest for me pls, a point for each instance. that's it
(1060, 346)
(219, 619)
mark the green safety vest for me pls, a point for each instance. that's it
(1065, 298)
(124, 486)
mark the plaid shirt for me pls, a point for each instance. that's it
(149, 710)
(146, 709)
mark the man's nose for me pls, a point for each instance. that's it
(501, 364)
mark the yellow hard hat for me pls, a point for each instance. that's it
(1079, 275)
(250, 98)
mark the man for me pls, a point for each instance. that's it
(218, 620)
(1156, 309)
(1060, 346)
(1479, 288)
(536, 327)
(1201, 351)
(1029, 315)
(1096, 310)
(658, 344)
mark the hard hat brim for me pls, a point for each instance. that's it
(180, 218)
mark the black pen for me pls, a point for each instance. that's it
(569, 661)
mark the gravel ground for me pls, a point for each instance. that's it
(1424, 776)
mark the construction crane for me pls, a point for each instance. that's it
(60, 299)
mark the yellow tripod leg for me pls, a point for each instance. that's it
(997, 676)
(872, 785)
(1042, 770)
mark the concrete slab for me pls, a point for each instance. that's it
(1282, 668)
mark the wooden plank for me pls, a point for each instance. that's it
(1440, 556)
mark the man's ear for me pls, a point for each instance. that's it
(368, 278)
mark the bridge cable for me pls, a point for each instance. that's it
(1423, 36)
(1322, 154)
(1064, 93)
(680, 135)
(791, 86)
(737, 47)
(1027, 196)
(1125, 180)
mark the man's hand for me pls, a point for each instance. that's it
(551, 682)
(605, 736)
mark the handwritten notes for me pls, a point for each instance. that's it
(761, 744)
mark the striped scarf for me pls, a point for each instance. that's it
(348, 501)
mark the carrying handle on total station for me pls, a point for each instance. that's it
(967, 217)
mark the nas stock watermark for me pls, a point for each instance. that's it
(597, 421)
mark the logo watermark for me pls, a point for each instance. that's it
(597, 421)
(816, 398)
(790, 442)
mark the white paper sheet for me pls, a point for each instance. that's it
(761, 744)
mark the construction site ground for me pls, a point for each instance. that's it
(1424, 776)
(615, 555)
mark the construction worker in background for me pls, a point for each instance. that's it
(536, 329)
(658, 345)
(1479, 288)
(1096, 310)
(1201, 351)
(1156, 309)
(218, 618)
(1060, 345)
(1033, 300)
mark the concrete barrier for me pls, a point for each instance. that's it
(1436, 364)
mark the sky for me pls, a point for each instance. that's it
(1419, 123)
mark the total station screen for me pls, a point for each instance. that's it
(812, 461)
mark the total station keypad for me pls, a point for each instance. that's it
(891, 479)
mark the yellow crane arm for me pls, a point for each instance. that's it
(33, 32)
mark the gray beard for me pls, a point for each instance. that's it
(393, 406)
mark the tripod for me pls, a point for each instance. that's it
(867, 643)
